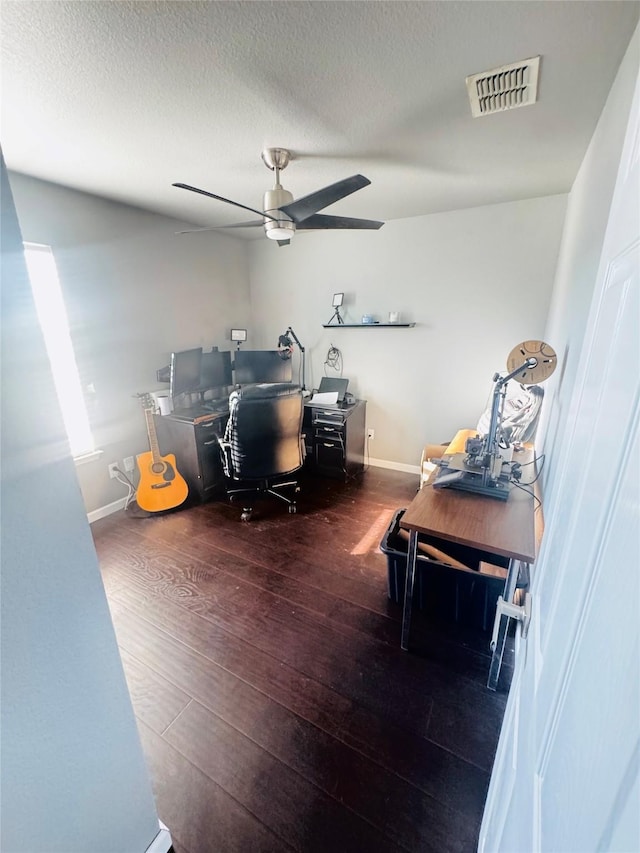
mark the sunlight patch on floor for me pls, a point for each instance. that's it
(371, 539)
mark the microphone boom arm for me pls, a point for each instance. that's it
(293, 335)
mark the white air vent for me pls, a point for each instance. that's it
(504, 88)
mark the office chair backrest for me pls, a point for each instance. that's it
(264, 430)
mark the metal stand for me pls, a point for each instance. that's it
(285, 340)
(505, 610)
(336, 316)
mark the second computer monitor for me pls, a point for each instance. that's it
(253, 366)
(185, 371)
(215, 370)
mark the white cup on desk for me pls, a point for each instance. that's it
(163, 401)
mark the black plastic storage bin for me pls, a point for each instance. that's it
(443, 591)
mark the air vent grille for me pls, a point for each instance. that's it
(504, 88)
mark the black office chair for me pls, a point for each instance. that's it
(263, 443)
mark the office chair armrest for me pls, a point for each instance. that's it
(225, 455)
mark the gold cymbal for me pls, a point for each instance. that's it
(546, 361)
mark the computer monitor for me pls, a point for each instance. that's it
(215, 370)
(185, 372)
(252, 366)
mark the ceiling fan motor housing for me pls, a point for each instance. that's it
(281, 223)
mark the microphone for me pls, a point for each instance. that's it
(285, 346)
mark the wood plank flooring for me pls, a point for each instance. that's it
(275, 707)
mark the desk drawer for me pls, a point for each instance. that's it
(329, 453)
(207, 430)
(328, 418)
(322, 432)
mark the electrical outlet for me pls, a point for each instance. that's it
(113, 470)
(371, 433)
(128, 464)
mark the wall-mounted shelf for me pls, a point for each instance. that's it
(368, 325)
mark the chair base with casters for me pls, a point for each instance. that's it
(264, 488)
(263, 445)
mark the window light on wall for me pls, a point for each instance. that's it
(52, 317)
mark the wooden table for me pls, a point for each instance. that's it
(499, 527)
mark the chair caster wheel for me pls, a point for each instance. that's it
(246, 515)
(292, 508)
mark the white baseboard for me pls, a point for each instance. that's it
(394, 466)
(162, 842)
(104, 511)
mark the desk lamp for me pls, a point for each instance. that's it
(285, 348)
(482, 468)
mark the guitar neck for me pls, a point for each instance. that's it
(153, 438)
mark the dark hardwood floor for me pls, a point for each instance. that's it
(275, 707)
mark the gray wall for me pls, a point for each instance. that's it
(476, 282)
(73, 776)
(134, 291)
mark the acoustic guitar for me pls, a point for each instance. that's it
(161, 486)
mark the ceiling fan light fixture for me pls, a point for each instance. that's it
(280, 226)
(279, 230)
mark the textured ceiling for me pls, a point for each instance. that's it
(123, 98)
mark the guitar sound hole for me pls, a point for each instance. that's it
(157, 467)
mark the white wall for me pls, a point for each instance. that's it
(476, 282)
(134, 292)
(73, 777)
(587, 214)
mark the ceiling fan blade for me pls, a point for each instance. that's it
(221, 198)
(304, 207)
(320, 221)
(252, 224)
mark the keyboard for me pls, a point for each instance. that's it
(196, 412)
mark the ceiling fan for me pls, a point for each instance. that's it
(282, 216)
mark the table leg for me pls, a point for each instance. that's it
(412, 556)
(497, 650)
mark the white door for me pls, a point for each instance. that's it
(566, 771)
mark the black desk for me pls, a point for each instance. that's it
(194, 441)
(335, 438)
